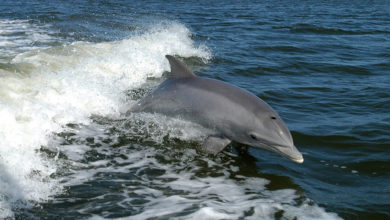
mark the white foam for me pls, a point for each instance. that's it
(210, 197)
(67, 84)
(17, 36)
(179, 189)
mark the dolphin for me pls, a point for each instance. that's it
(233, 113)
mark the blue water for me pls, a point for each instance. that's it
(324, 66)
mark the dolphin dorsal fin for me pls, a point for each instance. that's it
(178, 68)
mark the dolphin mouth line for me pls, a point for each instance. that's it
(275, 148)
(297, 159)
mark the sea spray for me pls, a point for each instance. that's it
(48, 88)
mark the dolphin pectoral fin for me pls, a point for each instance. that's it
(214, 145)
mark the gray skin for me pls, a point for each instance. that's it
(233, 113)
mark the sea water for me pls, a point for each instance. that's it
(69, 71)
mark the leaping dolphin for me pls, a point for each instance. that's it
(233, 113)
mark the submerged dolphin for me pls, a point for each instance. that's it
(233, 113)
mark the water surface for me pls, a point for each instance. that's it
(70, 70)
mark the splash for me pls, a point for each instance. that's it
(17, 36)
(51, 96)
(43, 90)
(148, 181)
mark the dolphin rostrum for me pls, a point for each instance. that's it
(233, 113)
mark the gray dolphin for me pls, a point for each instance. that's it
(233, 113)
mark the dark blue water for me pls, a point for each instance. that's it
(324, 66)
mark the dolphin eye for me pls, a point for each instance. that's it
(273, 117)
(253, 137)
